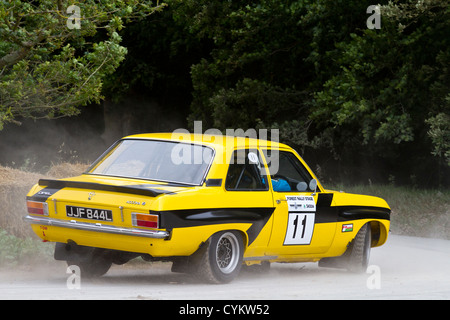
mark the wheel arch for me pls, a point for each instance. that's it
(379, 232)
(245, 236)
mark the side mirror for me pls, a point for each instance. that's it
(313, 186)
(302, 186)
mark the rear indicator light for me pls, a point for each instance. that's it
(145, 220)
(35, 207)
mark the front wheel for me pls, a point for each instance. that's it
(221, 257)
(358, 259)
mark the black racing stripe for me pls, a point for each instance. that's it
(347, 213)
(43, 194)
(258, 217)
(325, 213)
(324, 200)
(133, 189)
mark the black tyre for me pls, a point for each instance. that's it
(359, 254)
(220, 259)
(92, 264)
(356, 257)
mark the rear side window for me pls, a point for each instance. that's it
(246, 171)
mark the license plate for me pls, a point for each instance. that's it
(89, 213)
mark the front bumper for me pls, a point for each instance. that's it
(97, 227)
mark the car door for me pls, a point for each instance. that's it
(298, 227)
(247, 188)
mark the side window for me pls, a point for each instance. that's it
(246, 171)
(289, 175)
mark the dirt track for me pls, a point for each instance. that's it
(408, 268)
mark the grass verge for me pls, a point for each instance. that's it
(415, 212)
(18, 251)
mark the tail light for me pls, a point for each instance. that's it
(35, 207)
(145, 220)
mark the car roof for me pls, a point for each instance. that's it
(215, 141)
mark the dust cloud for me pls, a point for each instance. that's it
(408, 268)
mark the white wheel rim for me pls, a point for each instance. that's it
(227, 253)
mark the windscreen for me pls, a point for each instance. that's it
(156, 160)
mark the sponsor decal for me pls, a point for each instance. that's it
(347, 227)
(302, 212)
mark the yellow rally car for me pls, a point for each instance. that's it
(209, 204)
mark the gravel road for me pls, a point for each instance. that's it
(405, 268)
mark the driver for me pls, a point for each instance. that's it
(280, 185)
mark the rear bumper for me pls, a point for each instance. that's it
(97, 227)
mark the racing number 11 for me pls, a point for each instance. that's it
(296, 225)
(300, 228)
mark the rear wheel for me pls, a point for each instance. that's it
(220, 260)
(94, 263)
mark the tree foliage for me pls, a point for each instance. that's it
(316, 71)
(48, 68)
(349, 95)
(392, 82)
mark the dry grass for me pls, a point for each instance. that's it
(17, 178)
(65, 170)
(14, 186)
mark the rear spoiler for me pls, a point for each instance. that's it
(132, 189)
